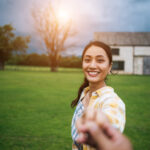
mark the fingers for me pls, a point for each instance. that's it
(91, 121)
(111, 131)
(82, 138)
(96, 135)
(80, 125)
(89, 114)
(101, 118)
(82, 130)
(94, 129)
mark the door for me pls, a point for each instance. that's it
(146, 65)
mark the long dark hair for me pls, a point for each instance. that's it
(86, 82)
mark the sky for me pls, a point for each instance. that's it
(88, 16)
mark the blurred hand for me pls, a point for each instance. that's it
(95, 130)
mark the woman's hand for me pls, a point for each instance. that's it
(94, 129)
(88, 119)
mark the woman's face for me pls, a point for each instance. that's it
(95, 64)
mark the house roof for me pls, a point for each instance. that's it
(123, 38)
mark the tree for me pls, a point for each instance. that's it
(53, 32)
(9, 43)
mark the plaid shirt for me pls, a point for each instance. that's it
(109, 102)
(78, 112)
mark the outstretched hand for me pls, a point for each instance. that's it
(95, 130)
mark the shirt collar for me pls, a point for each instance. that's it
(97, 92)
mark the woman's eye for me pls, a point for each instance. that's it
(86, 60)
(100, 60)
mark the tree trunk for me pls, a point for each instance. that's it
(54, 69)
(53, 63)
(2, 65)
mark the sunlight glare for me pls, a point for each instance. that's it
(63, 16)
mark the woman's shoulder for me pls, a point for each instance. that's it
(108, 93)
(105, 90)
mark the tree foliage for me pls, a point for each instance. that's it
(43, 60)
(53, 33)
(9, 43)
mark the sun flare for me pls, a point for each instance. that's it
(63, 16)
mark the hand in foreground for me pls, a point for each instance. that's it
(95, 130)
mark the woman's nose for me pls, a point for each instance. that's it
(92, 64)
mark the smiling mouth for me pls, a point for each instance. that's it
(93, 73)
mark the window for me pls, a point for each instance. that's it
(118, 65)
(115, 51)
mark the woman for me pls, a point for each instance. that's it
(94, 93)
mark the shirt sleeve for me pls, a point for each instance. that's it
(114, 108)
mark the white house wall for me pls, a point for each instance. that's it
(141, 51)
(126, 55)
(138, 65)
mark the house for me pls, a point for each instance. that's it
(131, 50)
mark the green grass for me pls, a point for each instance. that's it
(35, 111)
(36, 68)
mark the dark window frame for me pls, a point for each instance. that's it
(118, 65)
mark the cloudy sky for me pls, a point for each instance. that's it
(88, 16)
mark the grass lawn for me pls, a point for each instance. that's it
(35, 111)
